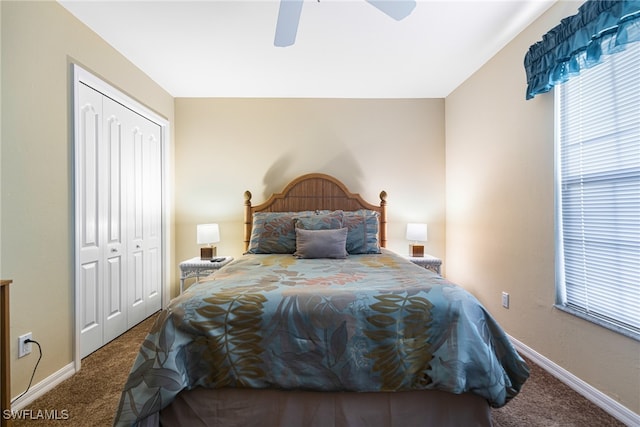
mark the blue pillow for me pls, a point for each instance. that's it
(274, 232)
(320, 221)
(363, 226)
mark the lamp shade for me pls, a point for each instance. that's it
(208, 233)
(417, 232)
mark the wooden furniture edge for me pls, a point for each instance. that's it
(5, 345)
(249, 209)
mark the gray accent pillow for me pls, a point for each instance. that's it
(321, 243)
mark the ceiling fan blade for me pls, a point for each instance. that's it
(287, 26)
(397, 9)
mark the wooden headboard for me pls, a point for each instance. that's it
(314, 191)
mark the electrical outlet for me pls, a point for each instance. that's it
(24, 348)
(505, 300)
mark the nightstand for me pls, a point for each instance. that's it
(427, 261)
(196, 267)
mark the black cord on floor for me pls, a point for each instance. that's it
(34, 369)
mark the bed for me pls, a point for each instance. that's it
(318, 324)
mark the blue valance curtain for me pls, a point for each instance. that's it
(601, 27)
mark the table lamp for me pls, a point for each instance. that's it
(208, 234)
(416, 233)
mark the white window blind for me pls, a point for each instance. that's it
(598, 198)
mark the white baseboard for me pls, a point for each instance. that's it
(43, 386)
(608, 404)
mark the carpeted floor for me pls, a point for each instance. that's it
(90, 397)
(545, 401)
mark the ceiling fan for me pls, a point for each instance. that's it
(289, 16)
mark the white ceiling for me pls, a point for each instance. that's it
(343, 49)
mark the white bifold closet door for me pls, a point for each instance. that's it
(142, 161)
(118, 206)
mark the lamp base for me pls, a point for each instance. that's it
(206, 254)
(416, 250)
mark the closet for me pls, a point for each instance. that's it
(118, 204)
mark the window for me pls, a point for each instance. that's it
(598, 193)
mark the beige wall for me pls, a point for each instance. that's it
(500, 224)
(39, 42)
(227, 146)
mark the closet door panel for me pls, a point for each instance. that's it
(113, 138)
(88, 213)
(137, 198)
(136, 300)
(91, 315)
(144, 218)
(152, 152)
(153, 282)
(135, 220)
(114, 177)
(90, 123)
(115, 313)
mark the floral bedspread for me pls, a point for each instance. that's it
(365, 323)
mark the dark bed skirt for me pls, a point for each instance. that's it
(241, 407)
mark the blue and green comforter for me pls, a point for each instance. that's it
(365, 323)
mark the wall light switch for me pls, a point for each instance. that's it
(505, 300)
